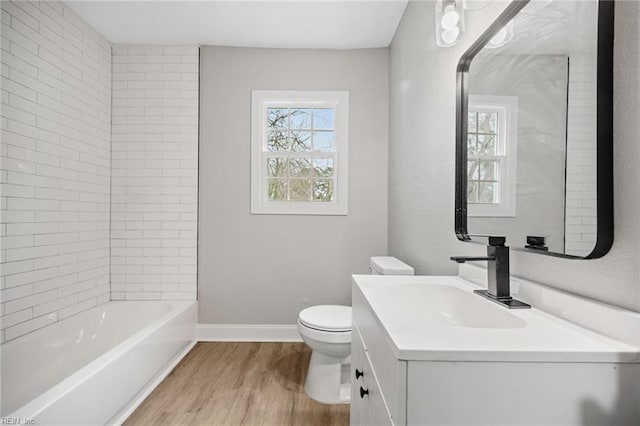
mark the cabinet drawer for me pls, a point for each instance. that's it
(390, 371)
(368, 407)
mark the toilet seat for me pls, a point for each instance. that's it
(337, 337)
(327, 318)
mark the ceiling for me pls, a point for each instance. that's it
(322, 24)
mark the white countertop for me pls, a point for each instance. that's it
(428, 318)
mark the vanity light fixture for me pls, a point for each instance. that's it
(449, 22)
(502, 37)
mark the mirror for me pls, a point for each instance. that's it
(534, 135)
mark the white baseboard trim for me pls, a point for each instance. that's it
(124, 414)
(247, 333)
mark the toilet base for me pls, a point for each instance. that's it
(328, 379)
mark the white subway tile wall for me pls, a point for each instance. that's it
(54, 171)
(154, 180)
(581, 211)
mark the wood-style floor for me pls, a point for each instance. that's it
(238, 384)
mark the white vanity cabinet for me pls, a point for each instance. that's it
(382, 372)
(368, 406)
(416, 375)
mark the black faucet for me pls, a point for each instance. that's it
(498, 284)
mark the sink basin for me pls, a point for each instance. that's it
(447, 305)
(436, 318)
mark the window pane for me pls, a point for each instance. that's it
(299, 190)
(323, 190)
(297, 147)
(300, 141)
(488, 193)
(323, 141)
(278, 141)
(277, 118)
(489, 170)
(472, 144)
(472, 192)
(472, 170)
(276, 167)
(472, 123)
(323, 167)
(488, 122)
(300, 118)
(300, 167)
(277, 189)
(323, 118)
(486, 145)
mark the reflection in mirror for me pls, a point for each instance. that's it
(532, 129)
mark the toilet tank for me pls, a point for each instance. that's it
(388, 265)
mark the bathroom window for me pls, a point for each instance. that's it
(299, 152)
(492, 142)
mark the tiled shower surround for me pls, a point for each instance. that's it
(56, 114)
(581, 214)
(86, 169)
(154, 192)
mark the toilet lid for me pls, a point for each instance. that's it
(327, 317)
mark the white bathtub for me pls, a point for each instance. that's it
(95, 367)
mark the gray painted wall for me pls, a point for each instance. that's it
(421, 167)
(263, 269)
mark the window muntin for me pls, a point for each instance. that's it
(299, 152)
(491, 155)
(485, 147)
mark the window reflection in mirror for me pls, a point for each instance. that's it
(532, 129)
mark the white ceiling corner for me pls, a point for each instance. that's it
(321, 24)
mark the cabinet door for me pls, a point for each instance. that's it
(358, 361)
(368, 408)
(375, 410)
(390, 372)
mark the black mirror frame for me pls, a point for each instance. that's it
(604, 143)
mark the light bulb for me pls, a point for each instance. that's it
(502, 37)
(499, 38)
(450, 36)
(450, 18)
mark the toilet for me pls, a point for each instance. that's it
(326, 329)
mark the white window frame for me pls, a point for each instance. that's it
(264, 99)
(507, 107)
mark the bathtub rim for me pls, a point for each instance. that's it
(49, 397)
(121, 416)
